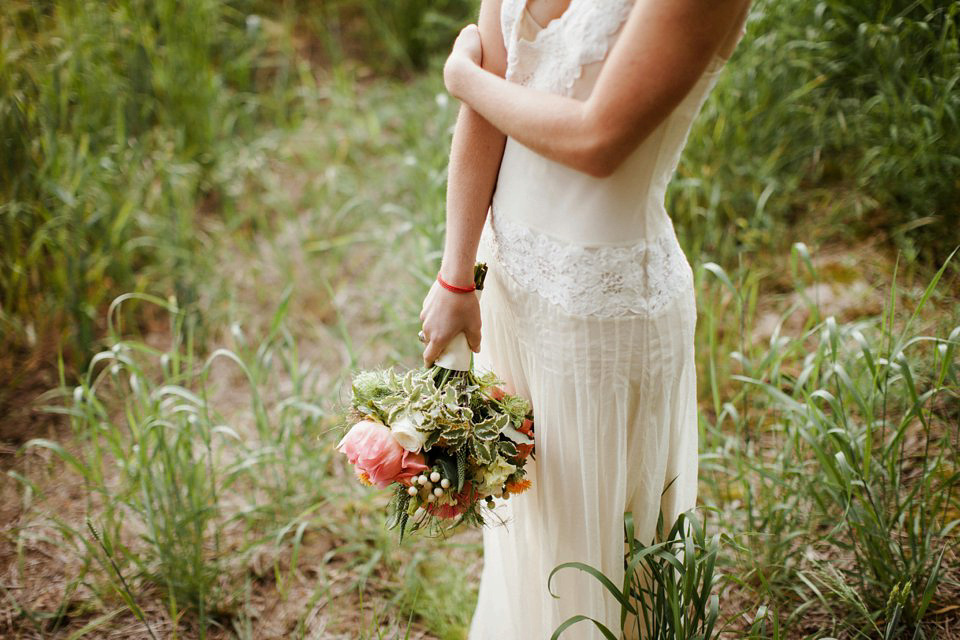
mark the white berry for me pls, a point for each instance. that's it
(411, 491)
(431, 497)
(445, 483)
(438, 492)
(422, 480)
(435, 476)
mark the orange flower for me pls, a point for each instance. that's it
(519, 486)
(527, 427)
(525, 449)
(497, 393)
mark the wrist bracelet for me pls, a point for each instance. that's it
(450, 287)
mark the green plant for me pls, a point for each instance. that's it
(668, 586)
(157, 473)
(853, 408)
(846, 112)
(849, 482)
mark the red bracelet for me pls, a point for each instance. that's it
(450, 287)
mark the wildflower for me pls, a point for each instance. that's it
(519, 486)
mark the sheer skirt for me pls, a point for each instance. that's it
(616, 420)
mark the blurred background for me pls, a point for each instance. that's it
(212, 212)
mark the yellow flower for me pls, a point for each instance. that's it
(364, 478)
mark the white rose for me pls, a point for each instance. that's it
(407, 435)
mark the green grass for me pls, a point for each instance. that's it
(117, 119)
(852, 458)
(832, 470)
(846, 111)
(181, 497)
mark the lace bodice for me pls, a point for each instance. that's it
(641, 278)
(549, 62)
(594, 246)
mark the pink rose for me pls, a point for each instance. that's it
(372, 449)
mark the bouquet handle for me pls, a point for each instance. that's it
(457, 355)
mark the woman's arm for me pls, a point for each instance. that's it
(660, 54)
(475, 156)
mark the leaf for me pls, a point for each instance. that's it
(432, 439)
(484, 451)
(461, 467)
(365, 410)
(516, 436)
(578, 618)
(64, 455)
(508, 449)
(487, 430)
(450, 397)
(604, 580)
(455, 436)
(449, 467)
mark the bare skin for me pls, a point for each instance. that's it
(660, 54)
(475, 156)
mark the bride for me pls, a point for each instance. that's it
(574, 114)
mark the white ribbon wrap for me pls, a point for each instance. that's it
(457, 355)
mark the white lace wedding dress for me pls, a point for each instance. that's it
(589, 312)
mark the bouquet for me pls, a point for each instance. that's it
(444, 439)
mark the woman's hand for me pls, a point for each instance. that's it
(446, 314)
(467, 50)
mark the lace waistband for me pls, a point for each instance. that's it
(606, 281)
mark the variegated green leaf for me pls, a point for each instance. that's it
(484, 451)
(516, 436)
(487, 430)
(455, 436)
(508, 449)
(432, 439)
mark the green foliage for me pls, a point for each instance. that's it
(849, 109)
(857, 422)
(851, 503)
(119, 120)
(389, 37)
(112, 117)
(667, 592)
(410, 31)
(158, 475)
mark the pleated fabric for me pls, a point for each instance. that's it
(615, 422)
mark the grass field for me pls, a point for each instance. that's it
(201, 207)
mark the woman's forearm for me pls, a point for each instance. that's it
(475, 155)
(554, 126)
(661, 53)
